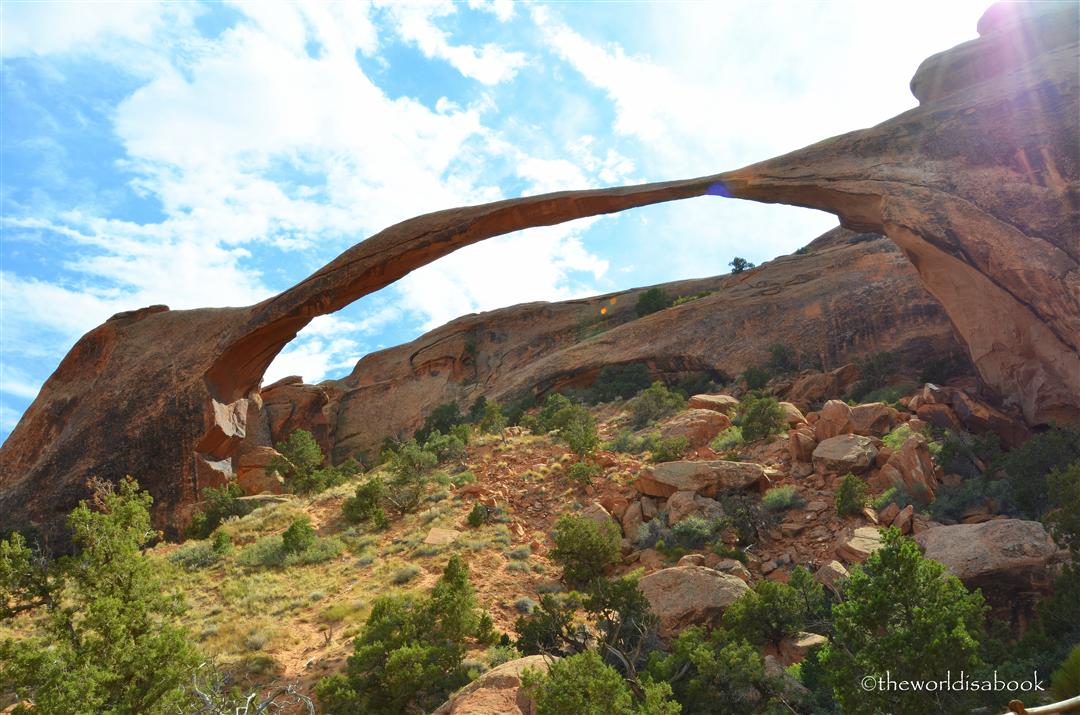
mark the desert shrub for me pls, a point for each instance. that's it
(270, 551)
(889, 394)
(1066, 679)
(650, 533)
(903, 614)
(404, 574)
(782, 359)
(478, 515)
(524, 605)
(760, 417)
(683, 299)
(874, 373)
(652, 300)
(896, 438)
(442, 419)
(322, 549)
(756, 377)
(408, 469)
(968, 455)
(578, 430)
(693, 532)
(743, 513)
(365, 504)
(218, 504)
(851, 496)
(620, 382)
(108, 643)
(584, 548)
(299, 536)
(709, 669)
(781, 498)
(492, 420)
(583, 472)
(196, 555)
(728, 439)
(953, 501)
(652, 403)
(408, 656)
(625, 441)
(773, 611)
(555, 404)
(739, 264)
(1063, 485)
(697, 383)
(667, 449)
(300, 465)
(893, 495)
(583, 684)
(445, 447)
(1027, 467)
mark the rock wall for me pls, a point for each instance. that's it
(978, 186)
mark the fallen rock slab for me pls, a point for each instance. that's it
(718, 403)
(864, 541)
(496, 692)
(706, 477)
(697, 426)
(684, 596)
(845, 453)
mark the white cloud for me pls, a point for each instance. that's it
(44, 27)
(488, 64)
(502, 9)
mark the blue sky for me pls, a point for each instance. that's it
(210, 154)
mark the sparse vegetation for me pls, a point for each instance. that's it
(874, 373)
(851, 496)
(759, 417)
(584, 548)
(728, 439)
(738, 265)
(653, 403)
(781, 498)
(301, 465)
(756, 377)
(619, 382)
(652, 300)
(218, 504)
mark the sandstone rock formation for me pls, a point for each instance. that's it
(684, 596)
(496, 692)
(706, 477)
(844, 453)
(977, 186)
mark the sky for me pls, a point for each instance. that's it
(213, 154)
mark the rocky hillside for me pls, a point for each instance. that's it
(842, 296)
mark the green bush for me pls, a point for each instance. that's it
(218, 504)
(404, 574)
(756, 377)
(195, 555)
(584, 548)
(620, 382)
(300, 462)
(1064, 494)
(653, 403)
(783, 360)
(903, 614)
(108, 643)
(442, 419)
(366, 504)
(781, 498)
(583, 684)
(270, 552)
(627, 442)
(1027, 467)
(953, 501)
(408, 656)
(716, 672)
(479, 515)
(968, 455)
(738, 265)
(668, 450)
(851, 496)
(492, 420)
(874, 373)
(697, 383)
(408, 476)
(652, 300)
(445, 447)
(583, 472)
(299, 536)
(693, 532)
(760, 417)
(728, 439)
(577, 428)
(1066, 679)
(774, 611)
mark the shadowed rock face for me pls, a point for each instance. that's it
(978, 186)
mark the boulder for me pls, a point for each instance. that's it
(496, 692)
(813, 388)
(706, 477)
(681, 505)
(831, 575)
(718, 403)
(793, 416)
(911, 468)
(846, 453)
(874, 419)
(632, 520)
(889, 513)
(698, 426)
(862, 542)
(252, 475)
(597, 513)
(801, 443)
(833, 419)
(1001, 556)
(684, 596)
(940, 416)
(795, 648)
(904, 519)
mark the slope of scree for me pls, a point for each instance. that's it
(978, 186)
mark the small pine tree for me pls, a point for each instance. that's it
(759, 417)
(584, 548)
(851, 496)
